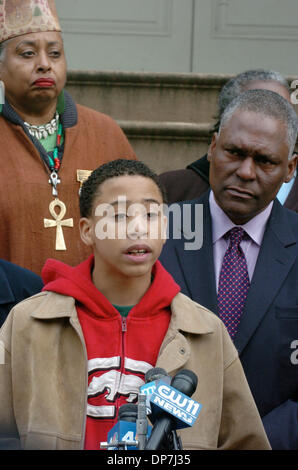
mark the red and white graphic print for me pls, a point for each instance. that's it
(108, 383)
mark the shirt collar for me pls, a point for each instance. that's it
(221, 223)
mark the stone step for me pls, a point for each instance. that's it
(143, 96)
(168, 118)
(167, 146)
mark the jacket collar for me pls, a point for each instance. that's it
(201, 167)
(175, 351)
(54, 306)
(280, 226)
(66, 107)
(58, 306)
(183, 318)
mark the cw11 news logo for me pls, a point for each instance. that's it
(180, 406)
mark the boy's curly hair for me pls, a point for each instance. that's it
(121, 167)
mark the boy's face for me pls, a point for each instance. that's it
(127, 227)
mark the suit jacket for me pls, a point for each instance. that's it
(268, 331)
(16, 285)
(193, 181)
(292, 200)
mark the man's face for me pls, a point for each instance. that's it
(248, 164)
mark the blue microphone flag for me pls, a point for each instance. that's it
(149, 388)
(124, 431)
(184, 410)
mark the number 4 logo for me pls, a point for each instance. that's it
(128, 437)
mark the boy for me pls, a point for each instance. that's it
(78, 351)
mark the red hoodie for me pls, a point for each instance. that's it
(120, 350)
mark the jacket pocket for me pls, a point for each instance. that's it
(286, 312)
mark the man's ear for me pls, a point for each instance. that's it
(292, 165)
(86, 231)
(212, 146)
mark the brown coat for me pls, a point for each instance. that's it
(25, 193)
(43, 383)
(183, 185)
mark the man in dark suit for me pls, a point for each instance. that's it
(250, 158)
(17, 284)
(193, 181)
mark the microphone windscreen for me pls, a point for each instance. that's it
(128, 412)
(185, 381)
(156, 373)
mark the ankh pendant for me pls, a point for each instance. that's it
(58, 222)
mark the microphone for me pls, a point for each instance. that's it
(132, 427)
(152, 377)
(131, 430)
(122, 434)
(142, 423)
(174, 409)
(156, 373)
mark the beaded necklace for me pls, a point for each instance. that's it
(55, 163)
(42, 132)
(58, 220)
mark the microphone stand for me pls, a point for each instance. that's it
(120, 445)
(142, 423)
(175, 441)
(169, 441)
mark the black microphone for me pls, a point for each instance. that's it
(142, 423)
(123, 433)
(152, 377)
(185, 381)
(128, 412)
(156, 373)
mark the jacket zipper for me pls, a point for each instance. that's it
(124, 329)
(123, 332)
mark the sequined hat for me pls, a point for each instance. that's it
(18, 17)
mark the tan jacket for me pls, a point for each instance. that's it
(43, 383)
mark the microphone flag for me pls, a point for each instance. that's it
(181, 407)
(124, 433)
